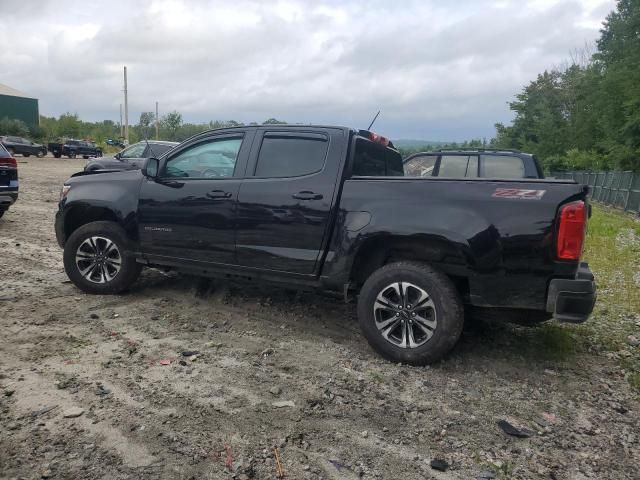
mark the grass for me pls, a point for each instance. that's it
(613, 252)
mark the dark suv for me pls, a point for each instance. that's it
(23, 146)
(8, 180)
(132, 157)
(483, 163)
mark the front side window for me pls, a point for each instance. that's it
(134, 151)
(458, 166)
(421, 166)
(210, 159)
(501, 166)
(291, 156)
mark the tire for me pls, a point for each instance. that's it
(78, 254)
(57, 155)
(85, 156)
(2, 213)
(441, 313)
(26, 154)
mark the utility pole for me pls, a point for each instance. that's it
(121, 124)
(126, 109)
(157, 121)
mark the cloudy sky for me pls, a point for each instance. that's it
(438, 70)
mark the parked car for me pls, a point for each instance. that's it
(115, 143)
(8, 180)
(482, 163)
(131, 158)
(416, 251)
(23, 146)
(73, 148)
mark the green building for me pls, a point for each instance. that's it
(16, 105)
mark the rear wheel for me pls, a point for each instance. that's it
(26, 154)
(410, 312)
(85, 156)
(97, 259)
(57, 155)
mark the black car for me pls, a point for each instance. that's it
(23, 146)
(132, 157)
(73, 148)
(8, 180)
(482, 163)
(330, 208)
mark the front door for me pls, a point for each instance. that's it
(189, 211)
(285, 201)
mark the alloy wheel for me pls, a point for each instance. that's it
(98, 259)
(405, 315)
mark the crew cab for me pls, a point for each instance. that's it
(469, 163)
(8, 180)
(73, 148)
(331, 208)
(23, 146)
(132, 157)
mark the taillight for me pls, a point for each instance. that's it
(10, 161)
(374, 137)
(571, 230)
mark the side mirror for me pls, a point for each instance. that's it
(151, 167)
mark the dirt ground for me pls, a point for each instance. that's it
(274, 368)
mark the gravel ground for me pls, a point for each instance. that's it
(85, 391)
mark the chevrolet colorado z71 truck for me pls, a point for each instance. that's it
(330, 208)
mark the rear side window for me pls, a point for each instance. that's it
(291, 156)
(501, 166)
(374, 160)
(421, 166)
(159, 149)
(458, 166)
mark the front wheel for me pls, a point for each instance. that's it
(98, 259)
(410, 312)
(26, 154)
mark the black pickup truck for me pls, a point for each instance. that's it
(73, 148)
(330, 208)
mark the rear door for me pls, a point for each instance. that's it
(285, 201)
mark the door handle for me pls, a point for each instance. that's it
(218, 194)
(307, 195)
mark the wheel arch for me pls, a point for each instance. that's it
(450, 257)
(79, 215)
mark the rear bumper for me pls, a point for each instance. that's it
(572, 300)
(7, 199)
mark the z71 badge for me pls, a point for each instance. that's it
(519, 194)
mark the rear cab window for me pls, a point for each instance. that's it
(501, 166)
(375, 160)
(285, 155)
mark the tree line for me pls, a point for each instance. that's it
(69, 125)
(586, 115)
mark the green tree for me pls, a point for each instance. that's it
(172, 122)
(13, 127)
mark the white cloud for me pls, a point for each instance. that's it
(436, 69)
